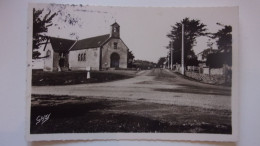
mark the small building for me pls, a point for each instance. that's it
(202, 56)
(99, 52)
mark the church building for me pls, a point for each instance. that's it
(97, 53)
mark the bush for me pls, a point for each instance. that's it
(216, 60)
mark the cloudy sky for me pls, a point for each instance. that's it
(143, 30)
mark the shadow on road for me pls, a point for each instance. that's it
(87, 115)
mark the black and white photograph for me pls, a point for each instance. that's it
(103, 72)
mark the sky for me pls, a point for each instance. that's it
(143, 29)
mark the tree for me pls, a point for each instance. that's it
(192, 30)
(130, 58)
(208, 51)
(40, 26)
(224, 42)
(42, 21)
(143, 64)
(217, 60)
(224, 38)
(161, 62)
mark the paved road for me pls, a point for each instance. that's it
(156, 86)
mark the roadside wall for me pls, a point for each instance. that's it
(206, 78)
(213, 71)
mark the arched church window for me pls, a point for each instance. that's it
(79, 57)
(84, 57)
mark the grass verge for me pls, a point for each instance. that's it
(41, 78)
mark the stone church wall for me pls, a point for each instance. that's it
(108, 49)
(51, 63)
(48, 62)
(91, 60)
(56, 58)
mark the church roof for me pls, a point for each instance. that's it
(92, 42)
(61, 45)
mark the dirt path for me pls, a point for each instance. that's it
(155, 86)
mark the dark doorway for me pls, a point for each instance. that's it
(62, 62)
(114, 63)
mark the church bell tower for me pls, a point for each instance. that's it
(115, 30)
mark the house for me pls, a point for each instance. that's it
(99, 52)
(202, 56)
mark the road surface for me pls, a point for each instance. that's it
(158, 86)
(155, 100)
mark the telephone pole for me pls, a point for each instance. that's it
(171, 47)
(168, 58)
(182, 50)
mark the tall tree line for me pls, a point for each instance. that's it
(192, 30)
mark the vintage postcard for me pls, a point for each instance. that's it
(132, 73)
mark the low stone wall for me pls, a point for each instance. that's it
(217, 71)
(213, 71)
(205, 78)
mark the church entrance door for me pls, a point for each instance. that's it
(114, 60)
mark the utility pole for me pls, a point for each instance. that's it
(171, 47)
(182, 50)
(168, 58)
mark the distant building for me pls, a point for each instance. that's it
(202, 56)
(100, 52)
